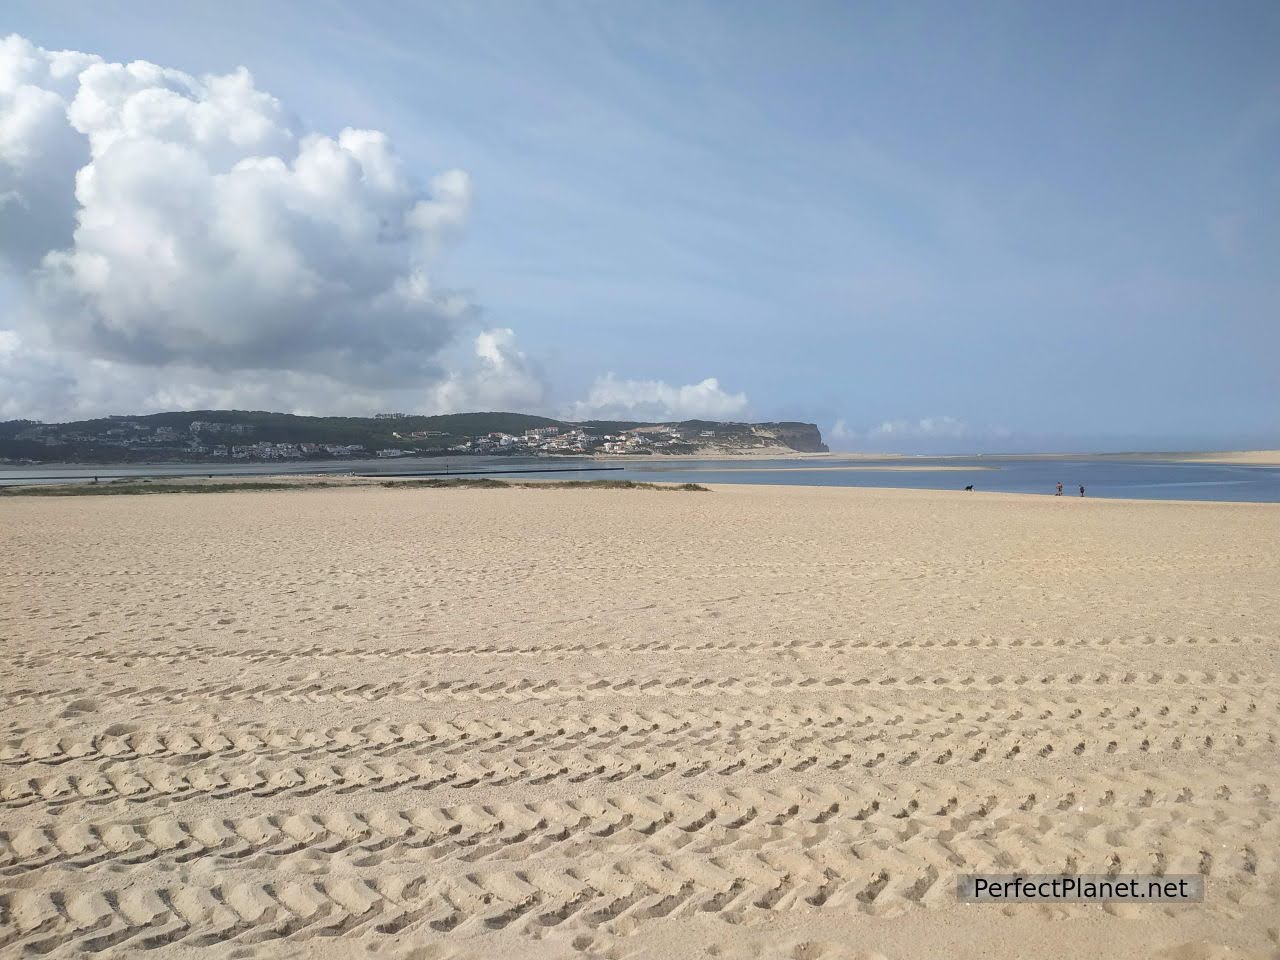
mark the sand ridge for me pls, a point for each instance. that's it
(1261, 458)
(756, 722)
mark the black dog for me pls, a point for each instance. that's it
(969, 487)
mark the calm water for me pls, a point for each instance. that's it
(1102, 477)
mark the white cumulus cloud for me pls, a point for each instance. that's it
(500, 378)
(39, 150)
(612, 399)
(159, 220)
(181, 241)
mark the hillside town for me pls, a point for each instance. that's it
(201, 439)
(227, 440)
(575, 440)
(258, 436)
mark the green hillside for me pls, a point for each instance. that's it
(198, 434)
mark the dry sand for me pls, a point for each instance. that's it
(1260, 458)
(755, 722)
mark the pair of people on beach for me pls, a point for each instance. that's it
(1059, 493)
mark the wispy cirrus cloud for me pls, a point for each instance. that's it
(941, 433)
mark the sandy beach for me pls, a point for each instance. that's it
(1258, 458)
(751, 722)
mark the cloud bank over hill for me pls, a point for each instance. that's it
(183, 241)
(614, 399)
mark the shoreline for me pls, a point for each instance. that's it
(870, 468)
(700, 457)
(1263, 458)
(328, 484)
(1253, 458)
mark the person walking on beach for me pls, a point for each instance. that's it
(1082, 489)
(1059, 493)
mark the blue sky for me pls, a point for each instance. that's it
(927, 227)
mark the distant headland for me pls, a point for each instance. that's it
(257, 436)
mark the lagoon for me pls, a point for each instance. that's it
(1138, 477)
